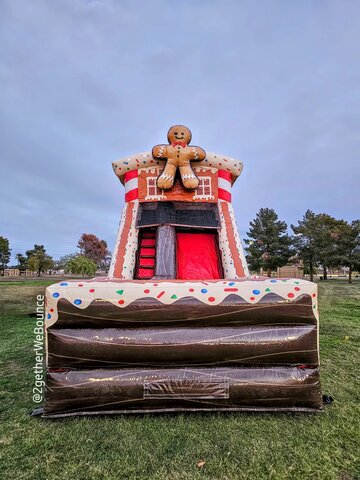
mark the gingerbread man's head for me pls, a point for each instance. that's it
(179, 133)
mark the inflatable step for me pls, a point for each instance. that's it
(188, 311)
(110, 391)
(109, 347)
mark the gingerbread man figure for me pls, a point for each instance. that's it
(178, 154)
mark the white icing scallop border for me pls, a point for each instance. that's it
(145, 160)
(122, 293)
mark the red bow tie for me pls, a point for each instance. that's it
(183, 144)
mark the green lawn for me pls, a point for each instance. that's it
(234, 446)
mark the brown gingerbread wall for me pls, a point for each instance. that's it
(177, 192)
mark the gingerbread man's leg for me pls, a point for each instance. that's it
(166, 178)
(188, 177)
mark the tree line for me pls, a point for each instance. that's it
(317, 241)
(93, 255)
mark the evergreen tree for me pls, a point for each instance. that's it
(5, 252)
(305, 241)
(349, 245)
(326, 241)
(317, 240)
(268, 242)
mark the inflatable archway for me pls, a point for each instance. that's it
(178, 325)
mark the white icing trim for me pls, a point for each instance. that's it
(155, 197)
(145, 159)
(226, 257)
(166, 176)
(238, 241)
(203, 169)
(131, 246)
(208, 292)
(117, 242)
(203, 197)
(187, 176)
(155, 170)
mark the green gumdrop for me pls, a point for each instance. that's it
(267, 290)
(173, 296)
(120, 292)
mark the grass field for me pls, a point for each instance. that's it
(233, 446)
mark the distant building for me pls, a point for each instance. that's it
(16, 272)
(290, 271)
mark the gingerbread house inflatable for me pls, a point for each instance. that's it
(178, 324)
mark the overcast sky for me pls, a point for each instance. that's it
(274, 83)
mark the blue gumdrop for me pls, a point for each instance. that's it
(256, 292)
(78, 301)
(203, 290)
(63, 284)
(232, 284)
(273, 281)
(56, 295)
(49, 316)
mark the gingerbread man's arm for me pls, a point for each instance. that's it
(160, 151)
(197, 153)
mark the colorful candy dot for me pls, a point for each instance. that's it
(80, 284)
(77, 301)
(191, 289)
(51, 310)
(211, 299)
(232, 284)
(252, 298)
(296, 289)
(203, 290)
(273, 281)
(146, 291)
(56, 295)
(92, 290)
(173, 296)
(256, 292)
(49, 316)
(290, 295)
(63, 284)
(314, 295)
(120, 302)
(267, 290)
(120, 292)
